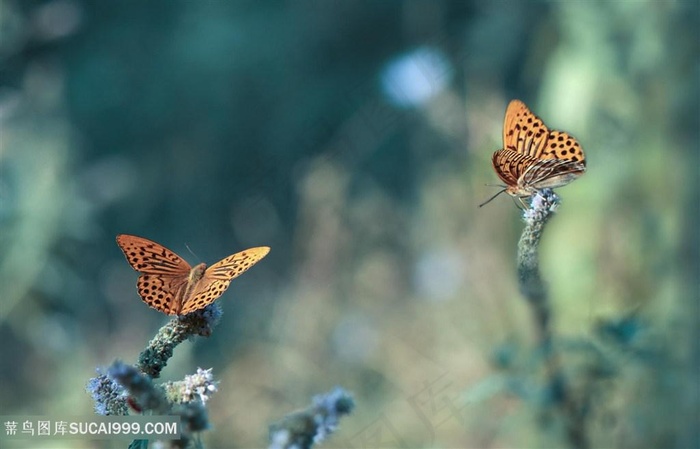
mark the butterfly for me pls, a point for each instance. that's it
(534, 157)
(168, 284)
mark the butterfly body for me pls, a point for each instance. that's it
(184, 290)
(196, 274)
(167, 282)
(534, 157)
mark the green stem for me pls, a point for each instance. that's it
(541, 209)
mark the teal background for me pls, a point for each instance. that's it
(354, 139)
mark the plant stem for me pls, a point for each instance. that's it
(542, 207)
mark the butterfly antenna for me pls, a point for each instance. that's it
(192, 252)
(492, 198)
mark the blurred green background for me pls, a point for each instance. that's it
(354, 139)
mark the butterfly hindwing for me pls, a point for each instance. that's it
(207, 291)
(552, 173)
(510, 165)
(163, 293)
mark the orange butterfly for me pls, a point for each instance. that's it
(168, 283)
(534, 157)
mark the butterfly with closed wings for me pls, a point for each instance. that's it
(534, 157)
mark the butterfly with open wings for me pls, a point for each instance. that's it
(168, 284)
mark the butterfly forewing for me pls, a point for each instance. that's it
(149, 257)
(236, 264)
(523, 131)
(218, 277)
(563, 146)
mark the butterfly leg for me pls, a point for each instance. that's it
(520, 204)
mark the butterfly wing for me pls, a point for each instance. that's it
(535, 157)
(149, 257)
(523, 131)
(552, 173)
(510, 165)
(217, 278)
(164, 274)
(163, 293)
(563, 146)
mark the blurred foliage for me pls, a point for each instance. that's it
(354, 138)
